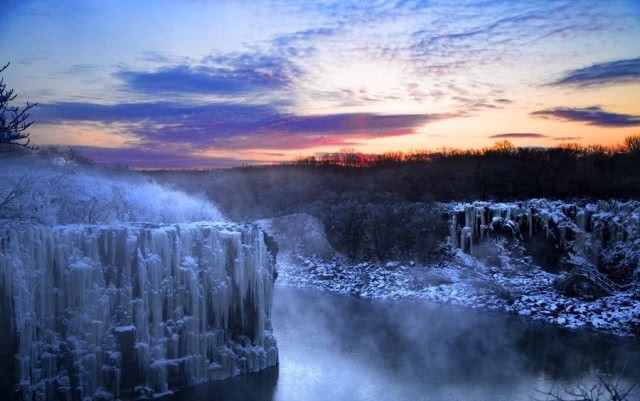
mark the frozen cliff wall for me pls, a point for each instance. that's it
(133, 310)
(603, 234)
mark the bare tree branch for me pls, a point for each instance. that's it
(14, 121)
(605, 389)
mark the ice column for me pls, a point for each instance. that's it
(135, 308)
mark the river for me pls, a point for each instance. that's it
(336, 347)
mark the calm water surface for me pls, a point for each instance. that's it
(335, 347)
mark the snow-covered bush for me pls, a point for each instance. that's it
(57, 190)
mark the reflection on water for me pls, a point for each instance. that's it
(334, 347)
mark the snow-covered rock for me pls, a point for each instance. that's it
(134, 309)
(300, 234)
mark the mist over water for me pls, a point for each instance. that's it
(335, 347)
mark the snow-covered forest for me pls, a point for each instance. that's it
(54, 186)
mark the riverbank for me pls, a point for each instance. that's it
(525, 289)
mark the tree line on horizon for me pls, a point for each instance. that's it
(349, 157)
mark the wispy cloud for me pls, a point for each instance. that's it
(80, 69)
(515, 135)
(593, 115)
(567, 138)
(263, 69)
(488, 32)
(612, 72)
(295, 43)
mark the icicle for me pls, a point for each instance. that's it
(166, 296)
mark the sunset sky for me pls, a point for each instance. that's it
(220, 83)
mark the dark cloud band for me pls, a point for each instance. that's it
(237, 126)
(613, 72)
(140, 157)
(222, 75)
(594, 115)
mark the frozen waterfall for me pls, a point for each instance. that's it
(133, 310)
(579, 230)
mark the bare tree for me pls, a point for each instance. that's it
(14, 121)
(605, 388)
(632, 144)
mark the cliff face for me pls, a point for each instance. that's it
(603, 234)
(133, 310)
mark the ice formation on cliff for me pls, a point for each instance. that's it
(118, 311)
(582, 229)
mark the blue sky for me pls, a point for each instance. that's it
(219, 83)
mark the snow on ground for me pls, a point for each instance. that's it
(525, 291)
